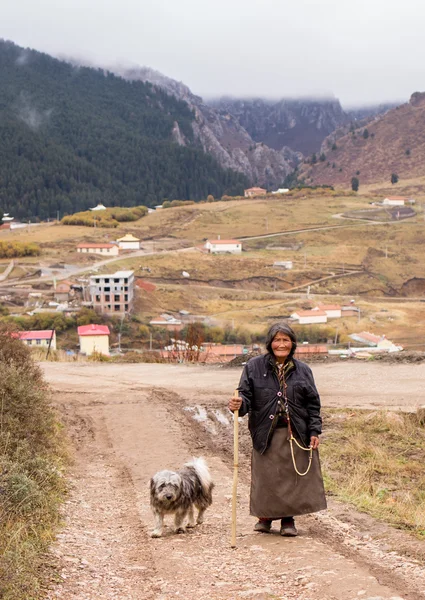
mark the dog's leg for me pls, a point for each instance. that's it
(159, 525)
(200, 518)
(191, 522)
(178, 521)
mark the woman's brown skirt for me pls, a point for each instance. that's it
(276, 489)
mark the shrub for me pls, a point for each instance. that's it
(355, 184)
(109, 218)
(31, 463)
(176, 203)
(16, 249)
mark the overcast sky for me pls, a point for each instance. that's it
(362, 52)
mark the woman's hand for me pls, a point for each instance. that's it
(314, 442)
(235, 403)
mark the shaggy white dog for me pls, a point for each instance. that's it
(178, 492)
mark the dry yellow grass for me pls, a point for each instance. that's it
(247, 288)
(375, 462)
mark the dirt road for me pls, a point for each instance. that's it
(128, 421)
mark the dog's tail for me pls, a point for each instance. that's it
(203, 472)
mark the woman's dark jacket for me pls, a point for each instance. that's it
(260, 391)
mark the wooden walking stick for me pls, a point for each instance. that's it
(235, 469)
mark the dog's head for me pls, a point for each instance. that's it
(166, 487)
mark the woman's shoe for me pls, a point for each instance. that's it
(263, 525)
(287, 527)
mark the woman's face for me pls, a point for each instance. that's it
(281, 346)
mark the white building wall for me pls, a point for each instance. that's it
(388, 202)
(333, 313)
(129, 245)
(233, 248)
(311, 320)
(113, 251)
(94, 343)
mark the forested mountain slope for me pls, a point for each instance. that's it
(74, 136)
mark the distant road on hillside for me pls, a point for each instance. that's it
(72, 273)
(307, 229)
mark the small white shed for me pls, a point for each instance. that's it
(232, 246)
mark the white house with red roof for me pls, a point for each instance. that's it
(94, 248)
(333, 311)
(310, 317)
(220, 246)
(41, 338)
(94, 338)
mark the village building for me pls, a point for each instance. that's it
(254, 191)
(397, 201)
(42, 338)
(94, 338)
(94, 248)
(129, 242)
(62, 291)
(333, 311)
(112, 293)
(223, 246)
(283, 264)
(374, 342)
(350, 311)
(307, 349)
(99, 207)
(214, 353)
(310, 317)
(167, 322)
(281, 191)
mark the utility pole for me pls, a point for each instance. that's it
(150, 341)
(336, 336)
(386, 251)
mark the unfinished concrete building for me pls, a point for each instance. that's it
(112, 294)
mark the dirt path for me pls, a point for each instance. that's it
(128, 421)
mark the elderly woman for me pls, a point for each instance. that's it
(279, 394)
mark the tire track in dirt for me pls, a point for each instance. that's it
(121, 437)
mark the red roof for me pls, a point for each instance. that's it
(92, 245)
(43, 334)
(93, 330)
(145, 285)
(370, 337)
(397, 198)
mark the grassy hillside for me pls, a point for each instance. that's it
(377, 263)
(393, 143)
(72, 136)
